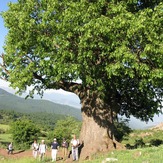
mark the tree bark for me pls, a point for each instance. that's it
(97, 133)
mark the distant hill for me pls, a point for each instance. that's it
(158, 127)
(9, 101)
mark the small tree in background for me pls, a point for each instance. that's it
(65, 128)
(23, 133)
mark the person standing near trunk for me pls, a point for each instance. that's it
(75, 144)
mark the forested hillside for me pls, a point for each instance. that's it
(11, 102)
(45, 121)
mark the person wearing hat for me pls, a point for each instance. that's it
(35, 148)
(42, 149)
(64, 148)
(54, 147)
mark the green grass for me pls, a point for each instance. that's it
(24, 160)
(141, 155)
(5, 138)
(4, 127)
(146, 155)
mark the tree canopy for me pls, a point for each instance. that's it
(113, 51)
(107, 52)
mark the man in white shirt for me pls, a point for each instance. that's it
(75, 144)
(10, 148)
(35, 147)
(42, 149)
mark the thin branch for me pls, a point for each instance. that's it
(5, 79)
(3, 65)
(4, 68)
(29, 59)
(57, 46)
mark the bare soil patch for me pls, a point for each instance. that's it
(18, 154)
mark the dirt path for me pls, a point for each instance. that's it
(16, 154)
(20, 154)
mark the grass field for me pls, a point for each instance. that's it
(5, 138)
(4, 127)
(141, 155)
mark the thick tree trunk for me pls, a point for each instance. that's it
(97, 130)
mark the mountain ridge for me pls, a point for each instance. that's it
(9, 101)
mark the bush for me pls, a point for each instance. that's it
(139, 143)
(2, 131)
(23, 133)
(156, 142)
(65, 128)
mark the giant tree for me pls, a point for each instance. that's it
(109, 53)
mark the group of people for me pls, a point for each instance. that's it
(42, 147)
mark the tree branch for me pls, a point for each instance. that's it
(4, 67)
(67, 86)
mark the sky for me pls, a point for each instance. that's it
(3, 30)
(58, 96)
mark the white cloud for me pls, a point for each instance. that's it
(60, 91)
(3, 83)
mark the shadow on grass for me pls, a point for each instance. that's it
(139, 143)
(17, 152)
(48, 159)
